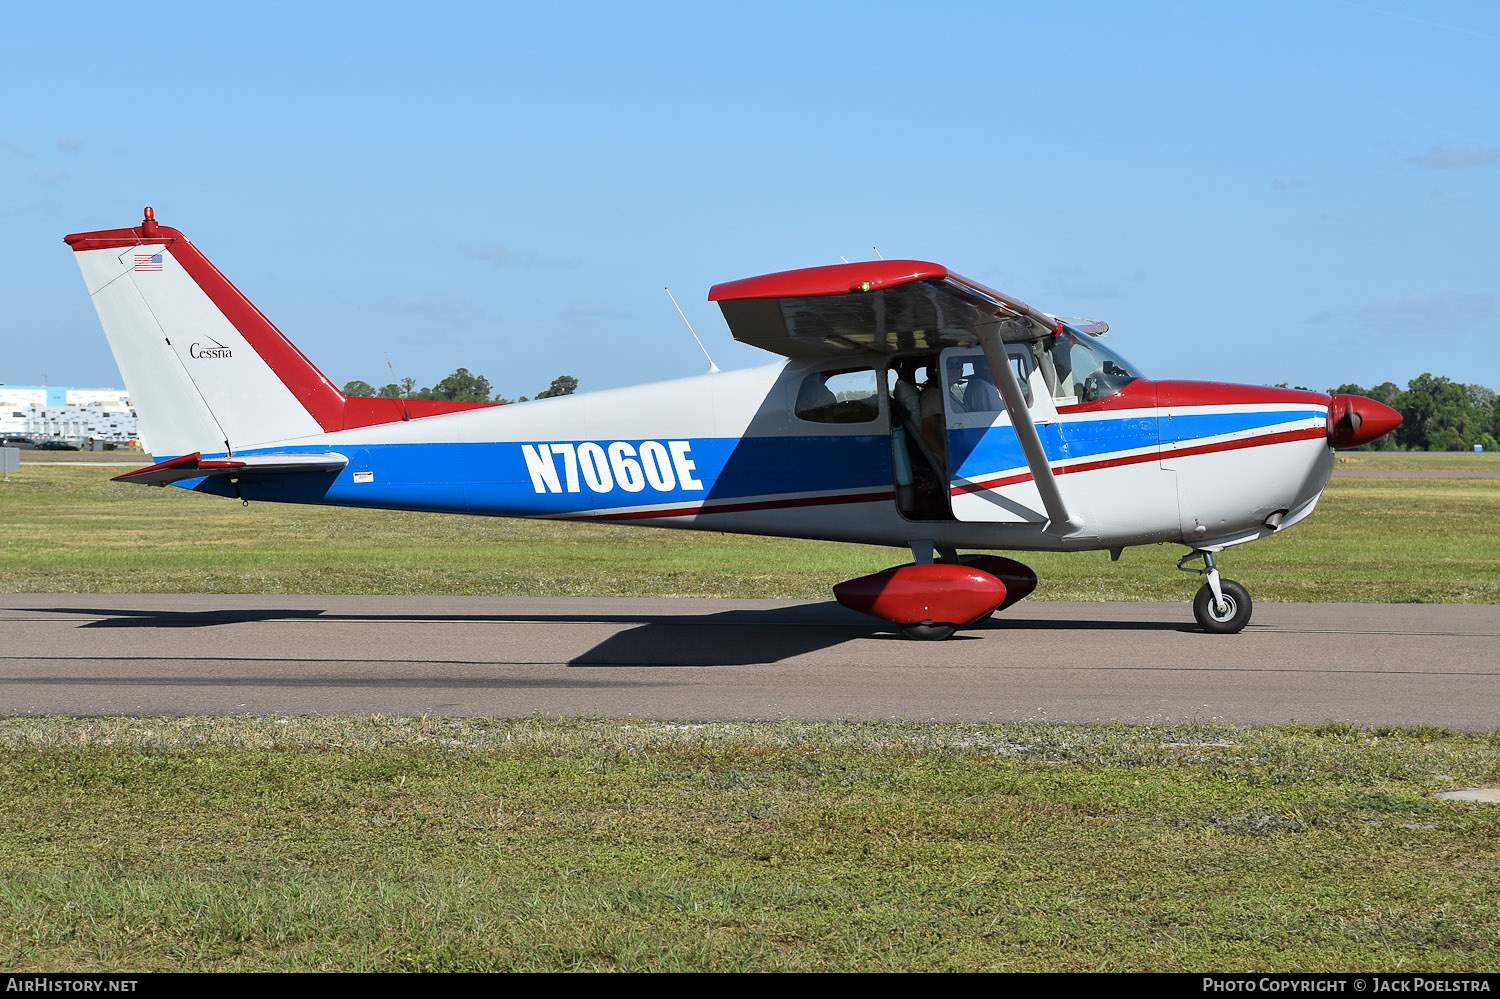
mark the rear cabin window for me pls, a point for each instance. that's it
(846, 396)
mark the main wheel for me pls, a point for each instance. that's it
(928, 632)
(1236, 613)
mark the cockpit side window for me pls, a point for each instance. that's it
(847, 395)
(1085, 370)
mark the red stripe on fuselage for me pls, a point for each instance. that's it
(1285, 437)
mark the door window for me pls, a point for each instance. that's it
(970, 387)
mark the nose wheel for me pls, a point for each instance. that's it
(1227, 615)
(1222, 606)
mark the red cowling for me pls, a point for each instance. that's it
(912, 594)
(1018, 577)
(1354, 420)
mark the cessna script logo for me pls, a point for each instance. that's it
(197, 350)
(659, 465)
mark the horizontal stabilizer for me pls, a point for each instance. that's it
(195, 466)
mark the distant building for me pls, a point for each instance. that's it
(58, 396)
(56, 412)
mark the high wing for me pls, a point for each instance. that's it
(889, 306)
(194, 466)
(882, 305)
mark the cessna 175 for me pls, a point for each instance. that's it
(911, 407)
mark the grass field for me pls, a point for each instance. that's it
(69, 529)
(442, 844)
(1435, 461)
(379, 844)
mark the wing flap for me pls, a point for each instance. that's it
(195, 466)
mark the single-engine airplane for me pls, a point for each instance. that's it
(911, 407)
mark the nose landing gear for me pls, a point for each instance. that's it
(1222, 606)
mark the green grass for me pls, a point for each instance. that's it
(438, 844)
(382, 844)
(69, 529)
(1487, 462)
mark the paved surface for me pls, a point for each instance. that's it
(702, 660)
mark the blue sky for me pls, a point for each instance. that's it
(1247, 191)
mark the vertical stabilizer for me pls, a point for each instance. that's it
(205, 370)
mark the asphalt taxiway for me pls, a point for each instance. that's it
(704, 660)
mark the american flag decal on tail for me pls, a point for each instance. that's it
(148, 261)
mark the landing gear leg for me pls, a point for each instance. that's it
(927, 631)
(1221, 606)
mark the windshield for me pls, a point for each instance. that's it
(1083, 369)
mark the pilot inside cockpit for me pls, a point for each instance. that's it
(972, 386)
(1085, 370)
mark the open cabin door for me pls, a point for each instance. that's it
(988, 476)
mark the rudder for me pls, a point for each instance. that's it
(206, 371)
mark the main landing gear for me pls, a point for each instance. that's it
(928, 631)
(1221, 606)
(930, 600)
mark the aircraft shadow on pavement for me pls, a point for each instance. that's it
(1034, 624)
(115, 617)
(735, 638)
(739, 637)
(752, 637)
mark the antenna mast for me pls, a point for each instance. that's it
(713, 368)
(405, 416)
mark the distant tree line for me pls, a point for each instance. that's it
(461, 386)
(1437, 414)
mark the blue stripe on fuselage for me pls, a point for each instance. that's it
(1189, 426)
(494, 478)
(982, 451)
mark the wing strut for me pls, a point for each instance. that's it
(1059, 521)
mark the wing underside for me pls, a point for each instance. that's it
(887, 306)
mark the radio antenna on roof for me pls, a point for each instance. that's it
(713, 368)
(405, 416)
(877, 251)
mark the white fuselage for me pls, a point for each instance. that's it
(727, 452)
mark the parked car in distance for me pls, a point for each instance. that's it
(55, 446)
(24, 443)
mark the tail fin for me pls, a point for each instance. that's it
(205, 370)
